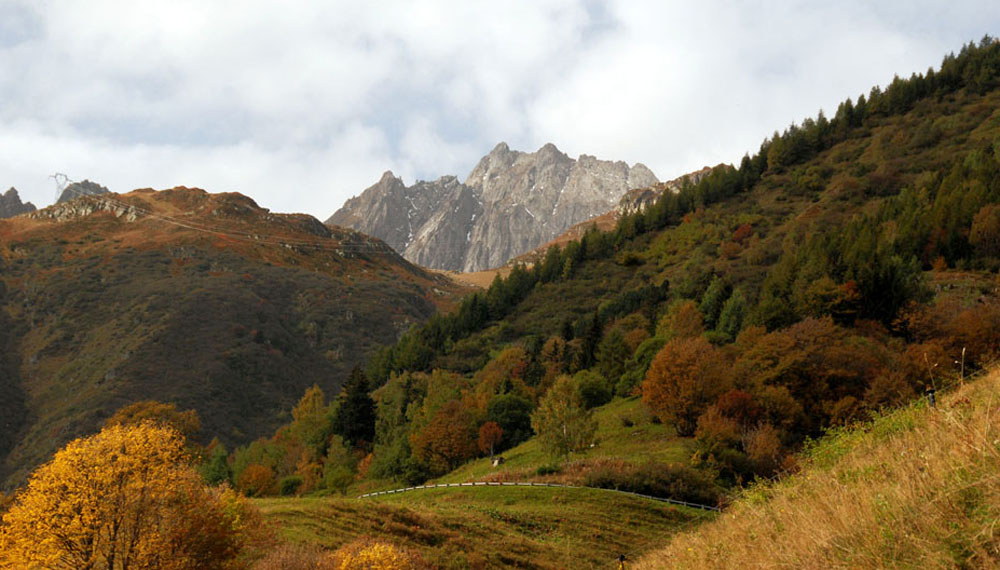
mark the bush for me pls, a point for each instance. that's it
(377, 555)
(289, 485)
(547, 470)
(594, 389)
(665, 480)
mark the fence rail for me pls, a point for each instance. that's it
(522, 484)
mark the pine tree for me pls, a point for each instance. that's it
(355, 418)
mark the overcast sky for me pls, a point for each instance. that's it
(302, 104)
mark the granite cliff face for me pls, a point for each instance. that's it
(509, 204)
(11, 205)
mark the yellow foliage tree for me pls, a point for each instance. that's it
(187, 422)
(125, 499)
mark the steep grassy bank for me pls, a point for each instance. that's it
(916, 488)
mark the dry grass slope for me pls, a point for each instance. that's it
(917, 488)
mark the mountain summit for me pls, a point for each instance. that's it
(11, 205)
(77, 189)
(510, 203)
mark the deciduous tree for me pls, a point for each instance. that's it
(686, 376)
(490, 434)
(187, 423)
(449, 438)
(562, 422)
(125, 499)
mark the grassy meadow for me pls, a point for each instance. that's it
(490, 527)
(625, 432)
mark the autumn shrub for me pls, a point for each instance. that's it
(257, 481)
(127, 498)
(666, 480)
(369, 554)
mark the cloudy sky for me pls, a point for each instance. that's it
(304, 103)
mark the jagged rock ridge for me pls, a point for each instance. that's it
(11, 205)
(77, 189)
(510, 203)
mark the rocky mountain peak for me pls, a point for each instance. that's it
(77, 189)
(510, 203)
(11, 205)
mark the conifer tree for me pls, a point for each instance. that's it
(355, 418)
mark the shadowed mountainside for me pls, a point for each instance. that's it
(182, 296)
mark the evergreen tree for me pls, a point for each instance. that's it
(355, 418)
(712, 301)
(733, 312)
(215, 469)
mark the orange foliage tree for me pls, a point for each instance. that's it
(257, 481)
(125, 499)
(683, 320)
(685, 377)
(449, 438)
(490, 434)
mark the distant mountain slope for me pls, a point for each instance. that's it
(11, 205)
(205, 300)
(510, 203)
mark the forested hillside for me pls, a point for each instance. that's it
(848, 265)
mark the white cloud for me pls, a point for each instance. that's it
(303, 104)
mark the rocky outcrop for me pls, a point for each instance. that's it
(76, 209)
(509, 204)
(639, 199)
(78, 189)
(11, 205)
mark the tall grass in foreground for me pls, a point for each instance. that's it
(916, 488)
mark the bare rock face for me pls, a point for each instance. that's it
(78, 189)
(11, 205)
(510, 203)
(77, 209)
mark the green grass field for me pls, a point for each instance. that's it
(491, 527)
(641, 442)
